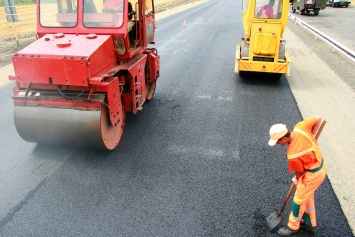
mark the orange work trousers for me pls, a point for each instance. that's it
(303, 207)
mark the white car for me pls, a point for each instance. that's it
(338, 3)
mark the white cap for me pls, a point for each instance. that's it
(276, 132)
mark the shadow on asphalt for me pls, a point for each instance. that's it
(261, 79)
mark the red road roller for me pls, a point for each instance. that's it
(89, 66)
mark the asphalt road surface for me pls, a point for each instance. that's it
(193, 162)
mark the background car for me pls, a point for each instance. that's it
(338, 3)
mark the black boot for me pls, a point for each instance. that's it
(286, 231)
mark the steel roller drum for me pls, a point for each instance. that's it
(69, 127)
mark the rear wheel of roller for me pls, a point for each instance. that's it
(150, 90)
(111, 136)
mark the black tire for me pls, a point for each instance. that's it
(301, 12)
(243, 74)
(276, 76)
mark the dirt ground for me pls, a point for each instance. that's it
(15, 36)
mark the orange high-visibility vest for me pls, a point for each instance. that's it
(307, 146)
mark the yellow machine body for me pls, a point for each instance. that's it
(263, 48)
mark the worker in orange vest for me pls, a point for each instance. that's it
(305, 159)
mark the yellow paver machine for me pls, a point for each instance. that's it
(263, 48)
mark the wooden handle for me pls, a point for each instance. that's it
(320, 129)
(287, 197)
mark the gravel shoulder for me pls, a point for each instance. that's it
(322, 82)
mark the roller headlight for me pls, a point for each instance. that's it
(120, 46)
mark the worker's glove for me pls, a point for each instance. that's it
(295, 180)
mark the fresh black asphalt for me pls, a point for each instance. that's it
(193, 162)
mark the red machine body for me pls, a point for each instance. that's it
(89, 66)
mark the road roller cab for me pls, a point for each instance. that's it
(89, 66)
(262, 48)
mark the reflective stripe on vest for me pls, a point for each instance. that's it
(293, 156)
(310, 208)
(296, 155)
